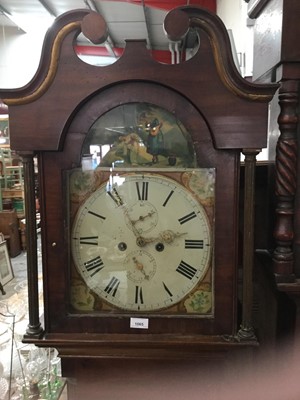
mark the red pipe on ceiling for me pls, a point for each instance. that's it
(100, 51)
(169, 5)
(160, 55)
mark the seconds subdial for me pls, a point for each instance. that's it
(140, 266)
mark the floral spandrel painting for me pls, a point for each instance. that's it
(139, 134)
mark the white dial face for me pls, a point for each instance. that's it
(142, 243)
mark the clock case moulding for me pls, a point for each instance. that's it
(50, 118)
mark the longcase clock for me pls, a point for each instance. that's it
(139, 190)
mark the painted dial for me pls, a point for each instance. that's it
(142, 244)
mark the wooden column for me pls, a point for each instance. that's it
(246, 331)
(285, 181)
(34, 328)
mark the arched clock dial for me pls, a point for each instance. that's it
(142, 243)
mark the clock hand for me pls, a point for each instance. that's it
(114, 194)
(143, 217)
(166, 236)
(132, 223)
(117, 198)
(140, 267)
(169, 236)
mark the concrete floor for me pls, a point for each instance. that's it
(13, 324)
(15, 299)
(19, 266)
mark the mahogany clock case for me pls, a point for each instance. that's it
(60, 317)
(53, 115)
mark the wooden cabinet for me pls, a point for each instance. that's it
(11, 199)
(277, 59)
(276, 29)
(9, 226)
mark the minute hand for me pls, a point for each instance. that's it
(166, 236)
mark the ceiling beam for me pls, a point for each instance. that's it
(8, 15)
(147, 25)
(91, 5)
(48, 8)
(4, 11)
(109, 44)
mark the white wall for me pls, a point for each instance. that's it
(20, 55)
(234, 15)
